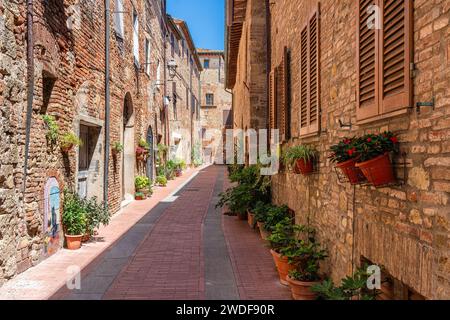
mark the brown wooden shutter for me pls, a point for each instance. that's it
(396, 50)
(367, 43)
(283, 96)
(272, 100)
(310, 77)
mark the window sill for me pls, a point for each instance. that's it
(382, 117)
(209, 106)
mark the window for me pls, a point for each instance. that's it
(227, 118)
(209, 99)
(147, 57)
(118, 17)
(136, 37)
(279, 98)
(172, 45)
(206, 64)
(309, 77)
(384, 59)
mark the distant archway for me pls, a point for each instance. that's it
(129, 157)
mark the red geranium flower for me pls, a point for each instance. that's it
(394, 140)
(369, 139)
(347, 141)
(351, 152)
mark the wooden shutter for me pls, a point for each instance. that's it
(367, 43)
(272, 100)
(283, 96)
(396, 50)
(310, 76)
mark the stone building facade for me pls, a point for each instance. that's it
(404, 228)
(69, 84)
(184, 92)
(216, 114)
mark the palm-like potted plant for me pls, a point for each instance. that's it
(301, 156)
(374, 157)
(345, 155)
(68, 141)
(74, 220)
(305, 254)
(282, 236)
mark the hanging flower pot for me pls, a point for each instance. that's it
(306, 167)
(353, 173)
(378, 171)
(68, 141)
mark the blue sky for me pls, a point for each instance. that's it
(205, 18)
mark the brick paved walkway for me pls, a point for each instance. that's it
(177, 248)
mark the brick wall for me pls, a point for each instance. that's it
(70, 49)
(405, 228)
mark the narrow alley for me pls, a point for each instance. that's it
(183, 248)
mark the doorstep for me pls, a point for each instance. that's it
(42, 281)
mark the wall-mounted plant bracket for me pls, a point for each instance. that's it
(345, 125)
(431, 104)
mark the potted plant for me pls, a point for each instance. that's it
(305, 254)
(345, 155)
(117, 148)
(52, 129)
(374, 160)
(142, 150)
(141, 184)
(139, 196)
(74, 220)
(96, 214)
(302, 157)
(161, 181)
(352, 288)
(261, 210)
(68, 141)
(282, 236)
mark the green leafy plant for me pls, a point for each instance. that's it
(373, 145)
(305, 152)
(345, 150)
(275, 215)
(70, 139)
(197, 155)
(74, 217)
(52, 128)
(117, 147)
(144, 144)
(305, 254)
(161, 180)
(261, 210)
(139, 195)
(282, 235)
(352, 287)
(141, 183)
(97, 214)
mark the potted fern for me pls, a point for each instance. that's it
(68, 141)
(302, 157)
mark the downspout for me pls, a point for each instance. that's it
(107, 100)
(30, 91)
(269, 56)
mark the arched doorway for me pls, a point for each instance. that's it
(129, 157)
(151, 157)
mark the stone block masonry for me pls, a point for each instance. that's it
(69, 57)
(403, 228)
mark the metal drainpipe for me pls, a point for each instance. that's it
(107, 100)
(30, 91)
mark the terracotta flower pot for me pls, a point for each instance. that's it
(251, 220)
(301, 290)
(139, 197)
(349, 169)
(67, 149)
(378, 171)
(178, 173)
(242, 216)
(305, 167)
(73, 242)
(283, 266)
(263, 232)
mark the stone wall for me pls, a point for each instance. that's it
(212, 116)
(69, 56)
(406, 229)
